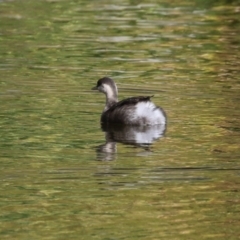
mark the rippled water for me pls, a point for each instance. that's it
(63, 176)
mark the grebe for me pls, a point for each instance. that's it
(131, 111)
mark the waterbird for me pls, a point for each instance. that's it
(135, 111)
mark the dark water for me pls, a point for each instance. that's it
(62, 176)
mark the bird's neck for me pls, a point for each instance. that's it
(110, 101)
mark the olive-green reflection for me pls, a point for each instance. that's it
(184, 186)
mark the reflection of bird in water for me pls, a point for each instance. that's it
(106, 151)
(131, 111)
(139, 136)
(134, 135)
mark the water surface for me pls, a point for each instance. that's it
(57, 183)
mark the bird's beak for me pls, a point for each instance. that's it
(95, 88)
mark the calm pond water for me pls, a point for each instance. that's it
(62, 176)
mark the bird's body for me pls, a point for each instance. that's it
(131, 111)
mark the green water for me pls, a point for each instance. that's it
(56, 183)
